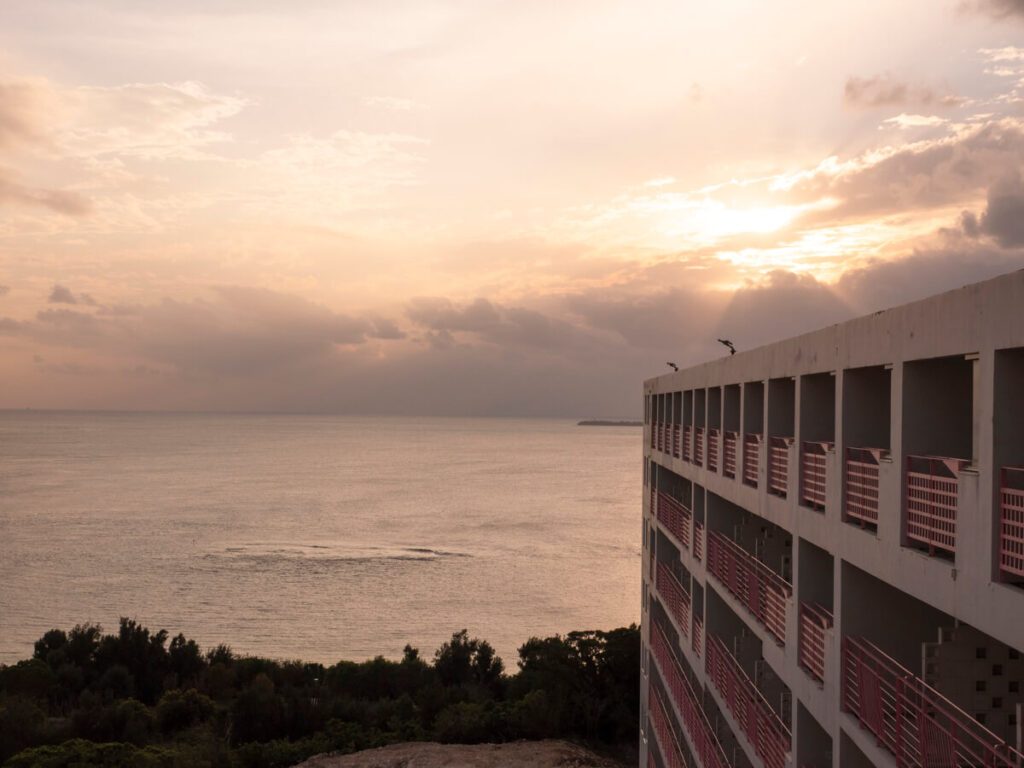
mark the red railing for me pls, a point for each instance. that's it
(698, 539)
(729, 454)
(713, 439)
(668, 741)
(763, 728)
(812, 473)
(677, 598)
(815, 620)
(751, 458)
(688, 442)
(932, 486)
(697, 637)
(919, 725)
(778, 464)
(676, 428)
(708, 751)
(862, 484)
(698, 446)
(761, 591)
(1011, 524)
(675, 516)
(654, 434)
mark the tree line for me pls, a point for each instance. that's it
(142, 698)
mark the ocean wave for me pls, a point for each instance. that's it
(268, 552)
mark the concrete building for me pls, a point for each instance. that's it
(833, 542)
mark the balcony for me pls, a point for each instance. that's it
(761, 591)
(778, 465)
(702, 737)
(675, 516)
(677, 598)
(1011, 525)
(751, 458)
(812, 473)
(698, 539)
(675, 440)
(697, 635)
(698, 446)
(763, 728)
(910, 719)
(714, 439)
(668, 740)
(932, 487)
(729, 454)
(654, 434)
(815, 621)
(862, 485)
(688, 443)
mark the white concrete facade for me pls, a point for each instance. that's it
(853, 594)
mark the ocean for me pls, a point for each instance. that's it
(317, 538)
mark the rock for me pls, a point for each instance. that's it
(518, 754)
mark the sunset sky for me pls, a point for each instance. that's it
(471, 208)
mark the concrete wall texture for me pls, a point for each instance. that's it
(833, 545)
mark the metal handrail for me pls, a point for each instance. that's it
(912, 720)
(931, 501)
(1011, 523)
(813, 473)
(815, 621)
(778, 464)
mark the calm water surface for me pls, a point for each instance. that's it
(316, 537)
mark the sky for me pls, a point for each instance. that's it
(514, 208)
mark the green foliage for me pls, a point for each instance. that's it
(133, 698)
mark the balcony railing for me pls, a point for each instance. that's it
(920, 726)
(668, 740)
(778, 465)
(654, 434)
(751, 458)
(862, 485)
(729, 454)
(677, 598)
(688, 442)
(706, 746)
(815, 621)
(698, 446)
(1011, 524)
(761, 591)
(812, 473)
(698, 539)
(714, 438)
(932, 487)
(675, 516)
(676, 429)
(763, 728)
(697, 636)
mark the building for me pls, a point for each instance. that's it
(833, 544)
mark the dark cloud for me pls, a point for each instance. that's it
(885, 91)
(491, 323)
(925, 175)
(884, 284)
(62, 295)
(1003, 218)
(1000, 9)
(56, 200)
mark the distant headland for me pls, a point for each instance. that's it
(607, 423)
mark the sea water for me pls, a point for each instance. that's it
(316, 537)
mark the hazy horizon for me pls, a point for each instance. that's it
(450, 208)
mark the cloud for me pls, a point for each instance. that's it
(1000, 9)
(147, 120)
(394, 103)
(4, 290)
(64, 202)
(61, 295)
(885, 91)
(23, 104)
(924, 174)
(1003, 217)
(904, 120)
